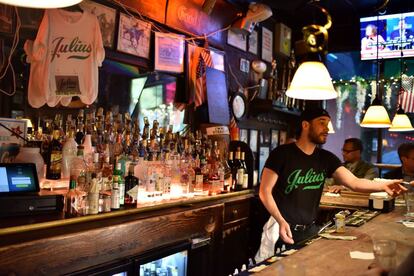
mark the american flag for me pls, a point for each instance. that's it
(406, 100)
(204, 60)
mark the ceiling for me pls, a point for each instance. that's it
(344, 33)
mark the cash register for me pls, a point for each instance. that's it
(20, 192)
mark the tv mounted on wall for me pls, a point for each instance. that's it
(393, 33)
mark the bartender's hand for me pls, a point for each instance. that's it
(393, 188)
(335, 189)
(285, 233)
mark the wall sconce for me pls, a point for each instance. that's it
(312, 80)
(41, 4)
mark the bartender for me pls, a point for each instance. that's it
(294, 174)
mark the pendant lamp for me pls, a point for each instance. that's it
(376, 116)
(41, 4)
(401, 122)
(330, 127)
(312, 80)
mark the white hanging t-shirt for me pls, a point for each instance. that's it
(64, 58)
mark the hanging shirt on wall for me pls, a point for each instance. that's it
(64, 58)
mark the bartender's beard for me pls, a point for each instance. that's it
(317, 138)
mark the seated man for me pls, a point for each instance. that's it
(406, 171)
(351, 152)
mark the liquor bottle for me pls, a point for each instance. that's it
(146, 130)
(80, 128)
(69, 150)
(238, 171)
(130, 182)
(72, 198)
(246, 174)
(115, 196)
(198, 185)
(120, 181)
(54, 164)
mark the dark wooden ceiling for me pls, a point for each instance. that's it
(344, 34)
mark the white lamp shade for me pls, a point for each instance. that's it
(312, 82)
(330, 127)
(376, 117)
(401, 122)
(41, 4)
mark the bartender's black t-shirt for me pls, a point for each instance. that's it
(300, 180)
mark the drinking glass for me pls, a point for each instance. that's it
(409, 202)
(385, 253)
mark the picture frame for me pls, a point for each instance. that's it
(134, 36)
(6, 19)
(17, 125)
(169, 52)
(263, 155)
(282, 137)
(264, 137)
(253, 37)
(244, 65)
(106, 17)
(283, 39)
(237, 40)
(253, 140)
(274, 139)
(244, 135)
(267, 44)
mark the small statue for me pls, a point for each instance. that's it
(272, 88)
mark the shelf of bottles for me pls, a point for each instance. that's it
(107, 162)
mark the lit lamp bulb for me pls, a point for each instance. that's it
(401, 122)
(376, 116)
(41, 4)
(330, 127)
(312, 82)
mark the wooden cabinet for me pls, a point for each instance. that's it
(236, 230)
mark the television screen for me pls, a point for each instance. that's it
(393, 34)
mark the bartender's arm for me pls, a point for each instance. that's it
(267, 183)
(344, 177)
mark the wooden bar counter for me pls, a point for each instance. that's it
(72, 246)
(331, 257)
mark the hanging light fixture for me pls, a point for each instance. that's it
(330, 127)
(401, 122)
(376, 115)
(312, 80)
(41, 4)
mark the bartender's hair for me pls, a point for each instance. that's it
(405, 149)
(356, 143)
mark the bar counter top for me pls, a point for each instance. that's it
(331, 257)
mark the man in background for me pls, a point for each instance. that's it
(351, 153)
(403, 32)
(406, 171)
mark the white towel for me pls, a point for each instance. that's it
(270, 236)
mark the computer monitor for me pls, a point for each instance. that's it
(18, 178)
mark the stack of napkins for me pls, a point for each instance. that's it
(334, 237)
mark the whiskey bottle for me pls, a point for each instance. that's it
(54, 164)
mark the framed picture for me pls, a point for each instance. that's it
(282, 137)
(217, 57)
(134, 36)
(106, 17)
(6, 19)
(283, 38)
(253, 42)
(274, 139)
(237, 40)
(264, 137)
(17, 127)
(253, 140)
(244, 65)
(267, 45)
(243, 135)
(263, 155)
(169, 52)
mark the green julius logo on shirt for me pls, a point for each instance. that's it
(311, 179)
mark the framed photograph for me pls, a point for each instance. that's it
(243, 135)
(236, 40)
(274, 139)
(253, 42)
(244, 65)
(282, 137)
(217, 57)
(169, 52)
(264, 137)
(106, 17)
(267, 45)
(283, 38)
(134, 36)
(17, 127)
(263, 155)
(253, 140)
(6, 19)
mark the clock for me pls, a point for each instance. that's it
(238, 105)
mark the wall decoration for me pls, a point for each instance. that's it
(283, 38)
(106, 17)
(263, 155)
(282, 137)
(264, 137)
(244, 135)
(253, 42)
(217, 57)
(134, 36)
(244, 65)
(274, 139)
(267, 45)
(17, 126)
(253, 140)
(237, 40)
(6, 19)
(169, 52)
